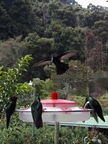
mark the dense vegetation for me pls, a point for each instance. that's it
(31, 31)
(47, 27)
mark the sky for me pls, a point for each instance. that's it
(85, 3)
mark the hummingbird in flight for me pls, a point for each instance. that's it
(61, 67)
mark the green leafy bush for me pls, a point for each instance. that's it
(10, 82)
(25, 133)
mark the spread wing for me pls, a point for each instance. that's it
(67, 54)
(41, 63)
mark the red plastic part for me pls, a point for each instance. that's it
(57, 101)
(54, 95)
(54, 100)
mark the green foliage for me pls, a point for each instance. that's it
(68, 1)
(52, 27)
(17, 17)
(39, 48)
(49, 27)
(44, 88)
(20, 132)
(94, 136)
(50, 69)
(101, 30)
(10, 51)
(72, 136)
(5, 19)
(75, 79)
(66, 39)
(25, 96)
(93, 14)
(10, 81)
(66, 16)
(95, 55)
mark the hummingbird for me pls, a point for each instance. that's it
(10, 109)
(61, 67)
(36, 110)
(92, 103)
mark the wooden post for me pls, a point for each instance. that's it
(56, 133)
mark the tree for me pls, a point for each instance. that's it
(100, 29)
(4, 23)
(95, 56)
(65, 16)
(39, 48)
(73, 2)
(90, 39)
(44, 87)
(93, 14)
(67, 38)
(17, 18)
(75, 79)
(11, 50)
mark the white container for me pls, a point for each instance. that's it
(57, 110)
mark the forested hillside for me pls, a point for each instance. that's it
(41, 28)
(33, 30)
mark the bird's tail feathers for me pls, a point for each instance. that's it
(102, 118)
(95, 116)
(7, 122)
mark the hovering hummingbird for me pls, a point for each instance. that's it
(36, 110)
(60, 66)
(91, 103)
(10, 109)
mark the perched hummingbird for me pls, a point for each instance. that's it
(91, 103)
(60, 66)
(36, 110)
(10, 109)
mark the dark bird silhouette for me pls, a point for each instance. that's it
(91, 103)
(36, 110)
(61, 67)
(10, 109)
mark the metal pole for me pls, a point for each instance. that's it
(34, 93)
(56, 133)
